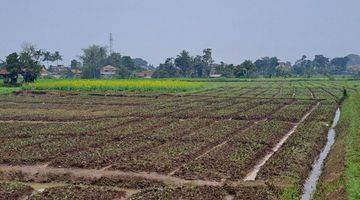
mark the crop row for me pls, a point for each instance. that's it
(232, 159)
(174, 153)
(36, 145)
(293, 162)
(79, 192)
(116, 148)
(294, 112)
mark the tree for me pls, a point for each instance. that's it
(30, 66)
(338, 65)
(245, 70)
(304, 67)
(126, 67)
(139, 62)
(282, 71)
(75, 64)
(114, 59)
(207, 62)
(127, 62)
(13, 68)
(93, 58)
(184, 62)
(226, 70)
(47, 57)
(266, 66)
(56, 57)
(321, 64)
(166, 70)
(30, 60)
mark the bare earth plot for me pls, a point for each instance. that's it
(241, 141)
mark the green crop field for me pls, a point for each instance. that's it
(183, 140)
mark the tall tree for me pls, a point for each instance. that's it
(245, 70)
(184, 62)
(338, 65)
(93, 58)
(226, 70)
(47, 57)
(321, 64)
(207, 62)
(303, 67)
(31, 67)
(166, 70)
(139, 62)
(114, 60)
(13, 68)
(127, 67)
(266, 66)
(75, 64)
(56, 57)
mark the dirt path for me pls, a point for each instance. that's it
(95, 173)
(251, 176)
(311, 93)
(39, 121)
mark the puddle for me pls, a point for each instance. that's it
(310, 184)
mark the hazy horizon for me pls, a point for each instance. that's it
(155, 30)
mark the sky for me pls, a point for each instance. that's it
(155, 30)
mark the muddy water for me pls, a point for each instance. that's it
(310, 184)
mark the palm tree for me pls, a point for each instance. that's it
(56, 57)
(47, 57)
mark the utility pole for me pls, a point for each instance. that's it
(111, 43)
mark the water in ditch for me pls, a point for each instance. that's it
(310, 184)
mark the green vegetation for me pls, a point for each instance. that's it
(185, 65)
(8, 90)
(351, 113)
(114, 85)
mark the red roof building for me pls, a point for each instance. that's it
(145, 74)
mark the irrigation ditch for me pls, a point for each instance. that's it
(311, 181)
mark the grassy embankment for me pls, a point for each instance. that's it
(7, 90)
(341, 175)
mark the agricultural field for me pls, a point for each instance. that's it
(181, 140)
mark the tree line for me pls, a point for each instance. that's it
(27, 63)
(185, 65)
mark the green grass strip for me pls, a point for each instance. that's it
(352, 111)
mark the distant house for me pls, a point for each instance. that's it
(107, 71)
(76, 73)
(57, 71)
(44, 71)
(145, 74)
